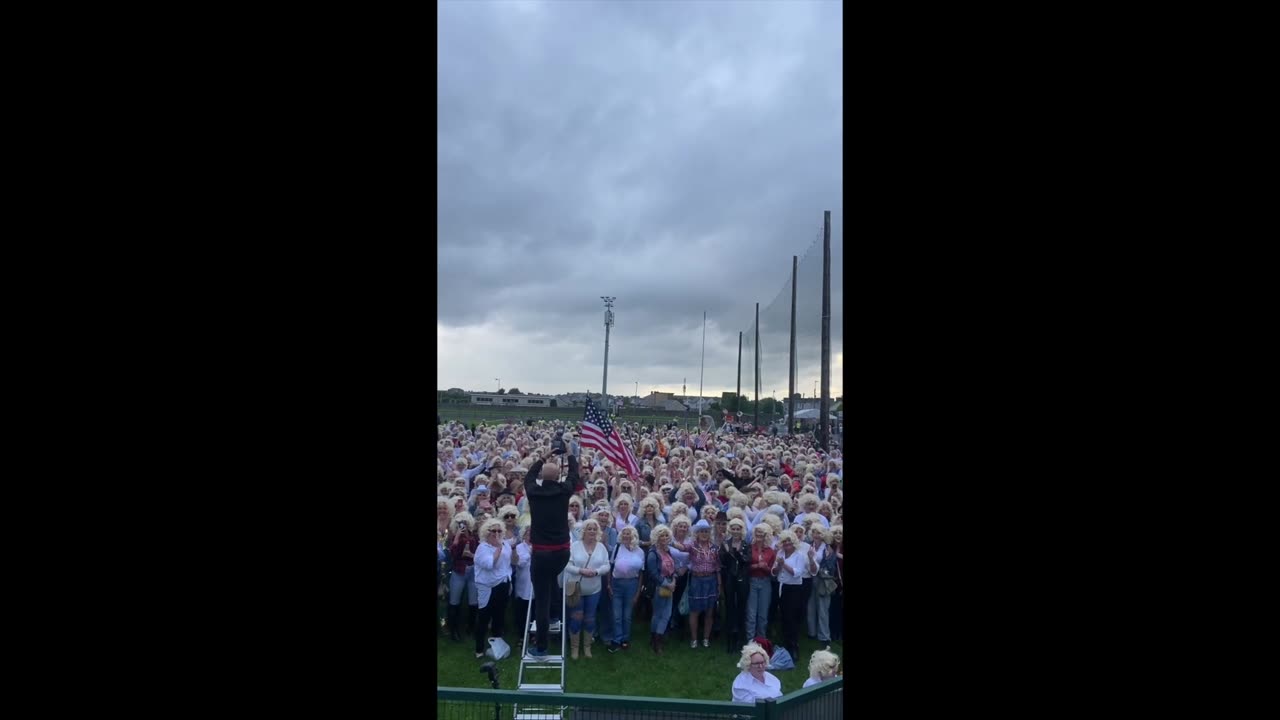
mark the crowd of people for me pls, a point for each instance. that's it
(729, 537)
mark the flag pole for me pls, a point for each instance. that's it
(704, 362)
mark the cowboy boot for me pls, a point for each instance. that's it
(471, 619)
(587, 639)
(573, 646)
(662, 640)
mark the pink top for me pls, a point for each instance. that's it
(668, 565)
(704, 560)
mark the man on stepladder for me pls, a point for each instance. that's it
(548, 495)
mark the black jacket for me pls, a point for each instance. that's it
(740, 483)
(549, 505)
(735, 564)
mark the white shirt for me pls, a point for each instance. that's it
(814, 681)
(488, 578)
(793, 568)
(679, 558)
(628, 563)
(747, 689)
(597, 560)
(524, 582)
(484, 557)
(802, 548)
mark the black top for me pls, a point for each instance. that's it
(549, 504)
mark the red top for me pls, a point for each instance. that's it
(762, 555)
(460, 563)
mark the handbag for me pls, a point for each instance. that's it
(826, 586)
(498, 649)
(684, 602)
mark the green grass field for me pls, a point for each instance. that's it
(468, 414)
(681, 672)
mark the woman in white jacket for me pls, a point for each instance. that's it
(588, 562)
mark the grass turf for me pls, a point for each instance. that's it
(681, 672)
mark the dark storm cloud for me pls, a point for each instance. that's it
(675, 155)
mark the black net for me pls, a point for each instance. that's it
(775, 334)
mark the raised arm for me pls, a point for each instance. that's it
(575, 477)
(535, 469)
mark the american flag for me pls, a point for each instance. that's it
(598, 432)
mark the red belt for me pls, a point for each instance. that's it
(550, 548)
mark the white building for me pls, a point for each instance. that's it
(495, 400)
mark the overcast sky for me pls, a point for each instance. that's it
(672, 154)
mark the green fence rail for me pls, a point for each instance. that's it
(819, 702)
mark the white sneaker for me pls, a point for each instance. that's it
(706, 643)
(693, 644)
(555, 627)
(533, 626)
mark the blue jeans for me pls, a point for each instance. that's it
(623, 590)
(458, 583)
(584, 613)
(758, 598)
(604, 616)
(661, 614)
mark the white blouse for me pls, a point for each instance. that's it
(524, 581)
(488, 578)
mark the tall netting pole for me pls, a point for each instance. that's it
(756, 421)
(737, 400)
(824, 407)
(791, 365)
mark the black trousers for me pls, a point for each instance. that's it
(735, 607)
(837, 615)
(791, 607)
(519, 609)
(804, 607)
(494, 612)
(545, 567)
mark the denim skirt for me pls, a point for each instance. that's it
(702, 593)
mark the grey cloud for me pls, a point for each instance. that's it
(672, 154)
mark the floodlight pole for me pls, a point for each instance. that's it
(608, 322)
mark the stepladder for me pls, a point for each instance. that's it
(542, 674)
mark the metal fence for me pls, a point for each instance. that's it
(820, 702)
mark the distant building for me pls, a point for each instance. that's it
(494, 400)
(658, 399)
